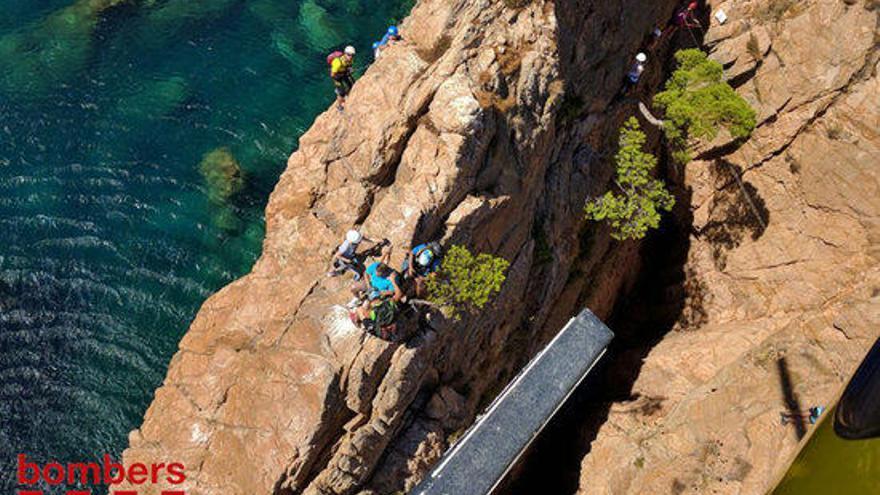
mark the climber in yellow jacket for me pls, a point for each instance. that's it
(340, 71)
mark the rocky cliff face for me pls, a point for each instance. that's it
(781, 294)
(490, 127)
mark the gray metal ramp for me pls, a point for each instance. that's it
(481, 459)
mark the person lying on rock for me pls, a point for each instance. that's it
(346, 257)
(811, 415)
(420, 263)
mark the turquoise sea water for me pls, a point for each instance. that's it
(110, 237)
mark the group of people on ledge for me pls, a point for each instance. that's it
(378, 288)
(341, 64)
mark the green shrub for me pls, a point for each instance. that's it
(465, 283)
(697, 103)
(754, 47)
(635, 208)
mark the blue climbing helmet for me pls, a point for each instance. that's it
(392, 31)
(376, 44)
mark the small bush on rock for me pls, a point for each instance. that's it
(465, 283)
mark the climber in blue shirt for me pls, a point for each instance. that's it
(391, 36)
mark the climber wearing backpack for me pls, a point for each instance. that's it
(340, 71)
(420, 263)
(380, 287)
(634, 74)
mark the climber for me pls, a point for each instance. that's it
(381, 285)
(686, 17)
(812, 415)
(340, 71)
(422, 261)
(391, 36)
(635, 72)
(346, 256)
(380, 282)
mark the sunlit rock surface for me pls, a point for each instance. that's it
(792, 298)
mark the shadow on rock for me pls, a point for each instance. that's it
(664, 295)
(737, 211)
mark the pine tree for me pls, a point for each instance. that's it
(697, 102)
(635, 206)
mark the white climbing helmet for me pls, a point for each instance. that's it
(349, 50)
(426, 257)
(641, 57)
(353, 236)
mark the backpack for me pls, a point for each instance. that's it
(381, 317)
(333, 56)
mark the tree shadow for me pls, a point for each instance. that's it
(663, 296)
(736, 211)
(792, 402)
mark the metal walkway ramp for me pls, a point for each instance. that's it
(481, 459)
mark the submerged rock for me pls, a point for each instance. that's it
(165, 20)
(222, 174)
(37, 57)
(284, 46)
(319, 29)
(156, 98)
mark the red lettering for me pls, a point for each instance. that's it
(30, 492)
(173, 492)
(155, 469)
(175, 473)
(109, 466)
(124, 492)
(59, 473)
(83, 470)
(23, 468)
(78, 492)
(137, 473)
